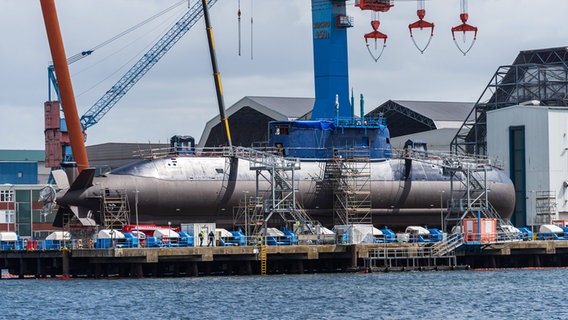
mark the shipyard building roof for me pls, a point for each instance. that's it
(406, 117)
(249, 117)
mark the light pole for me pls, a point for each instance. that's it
(136, 211)
(246, 216)
(441, 211)
(169, 234)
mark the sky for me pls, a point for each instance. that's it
(178, 95)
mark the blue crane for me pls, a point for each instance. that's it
(148, 60)
(140, 68)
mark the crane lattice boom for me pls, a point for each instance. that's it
(168, 40)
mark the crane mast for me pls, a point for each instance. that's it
(66, 88)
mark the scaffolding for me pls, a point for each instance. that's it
(279, 198)
(115, 211)
(545, 207)
(350, 175)
(469, 190)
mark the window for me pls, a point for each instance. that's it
(9, 216)
(281, 130)
(6, 195)
(20, 174)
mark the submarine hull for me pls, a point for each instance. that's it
(207, 189)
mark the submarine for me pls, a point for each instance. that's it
(190, 185)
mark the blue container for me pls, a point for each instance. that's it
(185, 239)
(526, 233)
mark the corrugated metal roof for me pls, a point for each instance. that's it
(439, 110)
(291, 107)
(22, 155)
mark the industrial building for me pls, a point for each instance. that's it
(249, 117)
(22, 176)
(107, 156)
(516, 135)
(520, 119)
(434, 122)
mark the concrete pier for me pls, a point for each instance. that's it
(245, 260)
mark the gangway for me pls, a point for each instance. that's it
(448, 245)
(409, 258)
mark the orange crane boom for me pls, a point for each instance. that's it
(68, 102)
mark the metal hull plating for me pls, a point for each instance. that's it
(205, 189)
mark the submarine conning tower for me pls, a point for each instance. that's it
(327, 139)
(333, 130)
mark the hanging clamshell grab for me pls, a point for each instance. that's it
(464, 28)
(376, 6)
(421, 24)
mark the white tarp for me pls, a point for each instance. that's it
(223, 233)
(550, 228)
(324, 230)
(158, 233)
(356, 233)
(59, 235)
(273, 232)
(110, 234)
(377, 232)
(417, 230)
(8, 236)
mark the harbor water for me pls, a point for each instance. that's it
(495, 294)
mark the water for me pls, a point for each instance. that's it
(501, 294)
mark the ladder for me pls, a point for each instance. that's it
(263, 258)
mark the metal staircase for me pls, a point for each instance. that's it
(452, 242)
(350, 174)
(279, 198)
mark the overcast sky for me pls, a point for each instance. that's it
(177, 96)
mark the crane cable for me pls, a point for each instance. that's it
(86, 53)
(239, 23)
(251, 30)
(125, 64)
(239, 14)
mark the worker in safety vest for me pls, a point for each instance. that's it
(201, 236)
